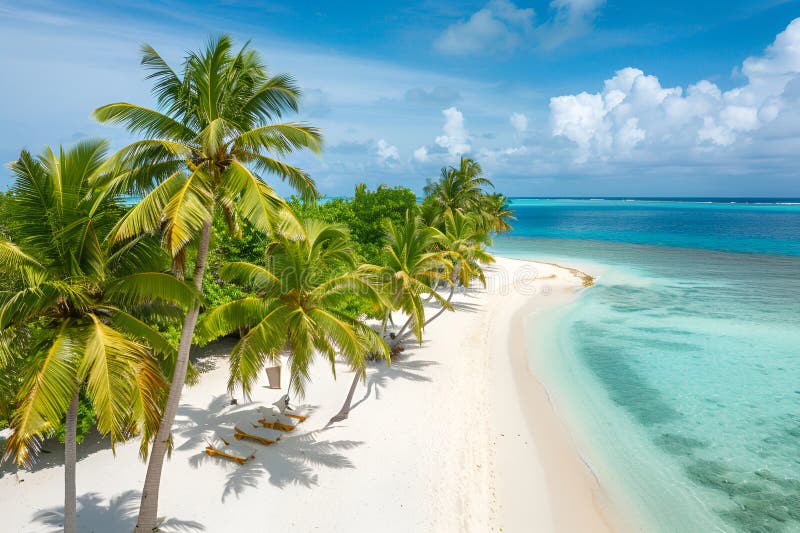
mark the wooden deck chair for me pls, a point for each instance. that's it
(283, 407)
(272, 418)
(246, 430)
(225, 446)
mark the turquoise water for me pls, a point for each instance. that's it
(681, 367)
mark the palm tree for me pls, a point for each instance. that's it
(495, 214)
(71, 304)
(458, 188)
(462, 245)
(411, 268)
(296, 307)
(210, 138)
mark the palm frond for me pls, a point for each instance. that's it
(12, 257)
(44, 396)
(138, 119)
(147, 287)
(107, 368)
(187, 211)
(252, 276)
(231, 317)
(255, 201)
(262, 343)
(148, 215)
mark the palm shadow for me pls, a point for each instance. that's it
(401, 369)
(294, 460)
(118, 514)
(52, 454)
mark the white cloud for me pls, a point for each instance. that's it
(634, 112)
(500, 25)
(455, 137)
(421, 154)
(519, 122)
(387, 152)
(572, 19)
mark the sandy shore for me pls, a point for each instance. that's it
(457, 435)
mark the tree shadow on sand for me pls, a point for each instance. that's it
(53, 454)
(294, 460)
(117, 514)
(401, 369)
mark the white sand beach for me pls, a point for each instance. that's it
(457, 435)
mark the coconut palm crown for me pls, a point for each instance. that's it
(77, 294)
(458, 188)
(295, 307)
(210, 141)
(66, 322)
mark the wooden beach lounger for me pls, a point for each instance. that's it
(273, 418)
(291, 413)
(281, 407)
(246, 430)
(226, 446)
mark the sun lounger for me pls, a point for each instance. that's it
(246, 430)
(297, 414)
(225, 446)
(283, 407)
(274, 419)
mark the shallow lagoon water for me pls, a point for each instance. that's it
(680, 369)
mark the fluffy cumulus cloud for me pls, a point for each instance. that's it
(519, 122)
(634, 113)
(455, 137)
(387, 152)
(421, 154)
(500, 25)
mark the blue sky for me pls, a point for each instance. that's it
(561, 97)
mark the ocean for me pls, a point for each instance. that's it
(679, 371)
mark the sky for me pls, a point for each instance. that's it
(553, 98)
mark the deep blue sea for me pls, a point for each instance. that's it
(680, 368)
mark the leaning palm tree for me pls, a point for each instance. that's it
(211, 138)
(412, 267)
(462, 245)
(68, 320)
(295, 308)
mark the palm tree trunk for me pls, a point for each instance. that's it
(70, 459)
(398, 338)
(402, 330)
(148, 508)
(345, 410)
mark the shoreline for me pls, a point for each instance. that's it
(455, 435)
(574, 496)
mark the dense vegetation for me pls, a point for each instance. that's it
(101, 302)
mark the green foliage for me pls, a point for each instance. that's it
(372, 210)
(463, 189)
(295, 306)
(214, 134)
(365, 215)
(65, 320)
(86, 419)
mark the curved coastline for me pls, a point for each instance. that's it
(574, 498)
